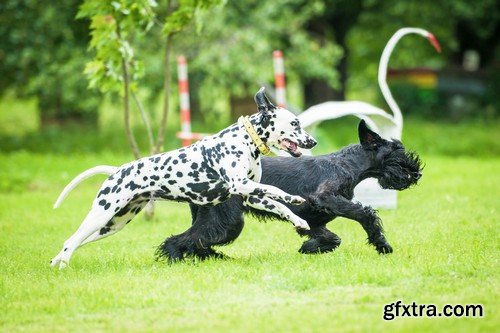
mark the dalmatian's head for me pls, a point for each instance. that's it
(280, 127)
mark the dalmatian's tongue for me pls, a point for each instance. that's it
(291, 147)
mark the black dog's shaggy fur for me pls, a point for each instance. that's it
(326, 181)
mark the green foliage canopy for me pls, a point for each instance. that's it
(42, 52)
(234, 50)
(113, 25)
(120, 27)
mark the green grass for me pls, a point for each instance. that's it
(444, 233)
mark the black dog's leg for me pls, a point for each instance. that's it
(217, 225)
(175, 247)
(366, 216)
(193, 242)
(194, 212)
(321, 240)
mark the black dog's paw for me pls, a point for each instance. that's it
(209, 253)
(316, 246)
(317, 203)
(303, 232)
(170, 251)
(313, 200)
(370, 213)
(380, 244)
(169, 257)
(384, 248)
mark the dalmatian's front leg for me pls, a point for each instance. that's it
(277, 208)
(248, 187)
(261, 196)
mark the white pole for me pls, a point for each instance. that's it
(182, 74)
(279, 78)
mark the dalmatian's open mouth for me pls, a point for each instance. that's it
(290, 147)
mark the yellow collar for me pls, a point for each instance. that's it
(261, 145)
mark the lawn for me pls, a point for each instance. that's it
(444, 232)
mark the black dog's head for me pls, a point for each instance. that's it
(393, 166)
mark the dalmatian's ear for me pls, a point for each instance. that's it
(264, 106)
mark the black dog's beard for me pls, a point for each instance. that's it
(401, 170)
(395, 182)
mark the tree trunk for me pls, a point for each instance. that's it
(149, 212)
(126, 110)
(337, 20)
(195, 80)
(166, 95)
(318, 91)
(242, 106)
(469, 39)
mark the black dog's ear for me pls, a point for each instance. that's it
(368, 138)
(264, 106)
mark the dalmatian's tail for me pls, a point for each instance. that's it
(98, 170)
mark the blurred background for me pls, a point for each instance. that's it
(62, 78)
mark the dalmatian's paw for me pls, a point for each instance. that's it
(300, 223)
(294, 199)
(59, 263)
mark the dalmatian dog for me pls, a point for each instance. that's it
(206, 173)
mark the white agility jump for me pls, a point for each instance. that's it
(388, 125)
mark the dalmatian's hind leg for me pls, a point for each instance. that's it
(95, 227)
(119, 221)
(95, 220)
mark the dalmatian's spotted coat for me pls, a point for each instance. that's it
(205, 173)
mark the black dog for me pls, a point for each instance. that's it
(326, 181)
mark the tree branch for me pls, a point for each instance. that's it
(166, 95)
(146, 121)
(126, 102)
(166, 86)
